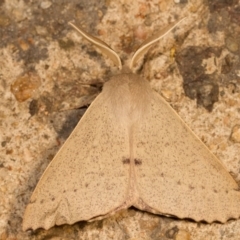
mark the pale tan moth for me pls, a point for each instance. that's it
(132, 149)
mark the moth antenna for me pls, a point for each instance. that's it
(148, 43)
(100, 44)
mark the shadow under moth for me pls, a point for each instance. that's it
(131, 149)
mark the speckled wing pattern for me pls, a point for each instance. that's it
(86, 178)
(131, 149)
(178, 175)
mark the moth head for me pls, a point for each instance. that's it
(142, 49)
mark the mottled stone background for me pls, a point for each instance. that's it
(49, 75)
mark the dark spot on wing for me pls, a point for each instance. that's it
(162, 174)
(86, 185)
(126, 161)
(179, 182)
(138, 161)
(75, 190)
(53, 199)
(215, 190)
(42, 201)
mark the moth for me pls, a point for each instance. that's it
(131, 149)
